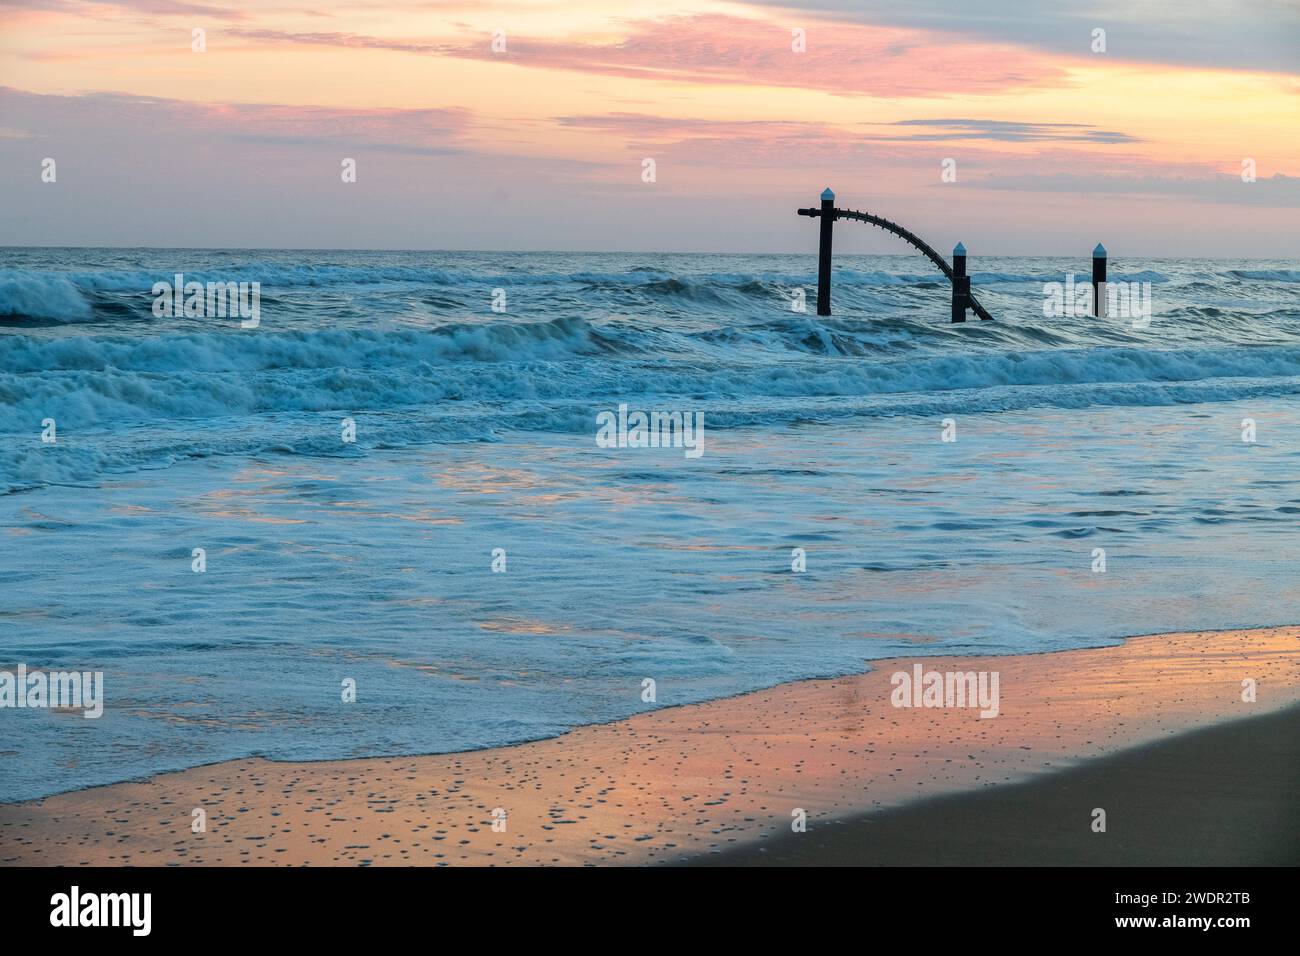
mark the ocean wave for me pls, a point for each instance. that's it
(247, 350)
(55, 298)
(270, 274)
(89, 379)
(247, 424)
(24, 287)
(1268, 275)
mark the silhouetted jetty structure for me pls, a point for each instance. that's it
(962, 299)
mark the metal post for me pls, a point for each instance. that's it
(960, 284)
(824, 254)
(1099, 280)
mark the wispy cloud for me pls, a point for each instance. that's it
(775, 142)
(354, 41)
(428, 131)
(722, 49)
(1009, 132)
(160, 8)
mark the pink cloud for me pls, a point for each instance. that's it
(842, 58)
(394, 130)
(722, 49)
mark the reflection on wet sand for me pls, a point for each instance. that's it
(675, 782)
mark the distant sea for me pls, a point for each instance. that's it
(1078, 440)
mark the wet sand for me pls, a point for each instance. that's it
(678, 783)
(1227, 795)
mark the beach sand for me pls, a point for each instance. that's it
(680, 783)
(1225, 795)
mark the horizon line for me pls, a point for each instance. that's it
(625, 252)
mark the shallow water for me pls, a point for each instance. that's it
(372, 560)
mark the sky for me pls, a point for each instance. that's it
(1016, 127)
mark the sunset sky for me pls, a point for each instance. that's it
(541, 145)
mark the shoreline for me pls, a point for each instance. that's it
(682, 782)
(873, 664)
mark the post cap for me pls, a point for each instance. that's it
(827, 194)
(1099, 252)
(959, 250)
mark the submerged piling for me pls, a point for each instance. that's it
(960, 284)
(1099, 280)
(824, 253)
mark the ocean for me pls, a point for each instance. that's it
(1019, 486)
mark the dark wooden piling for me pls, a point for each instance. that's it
(824, 254)
(960, 284)
(1099, 280)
